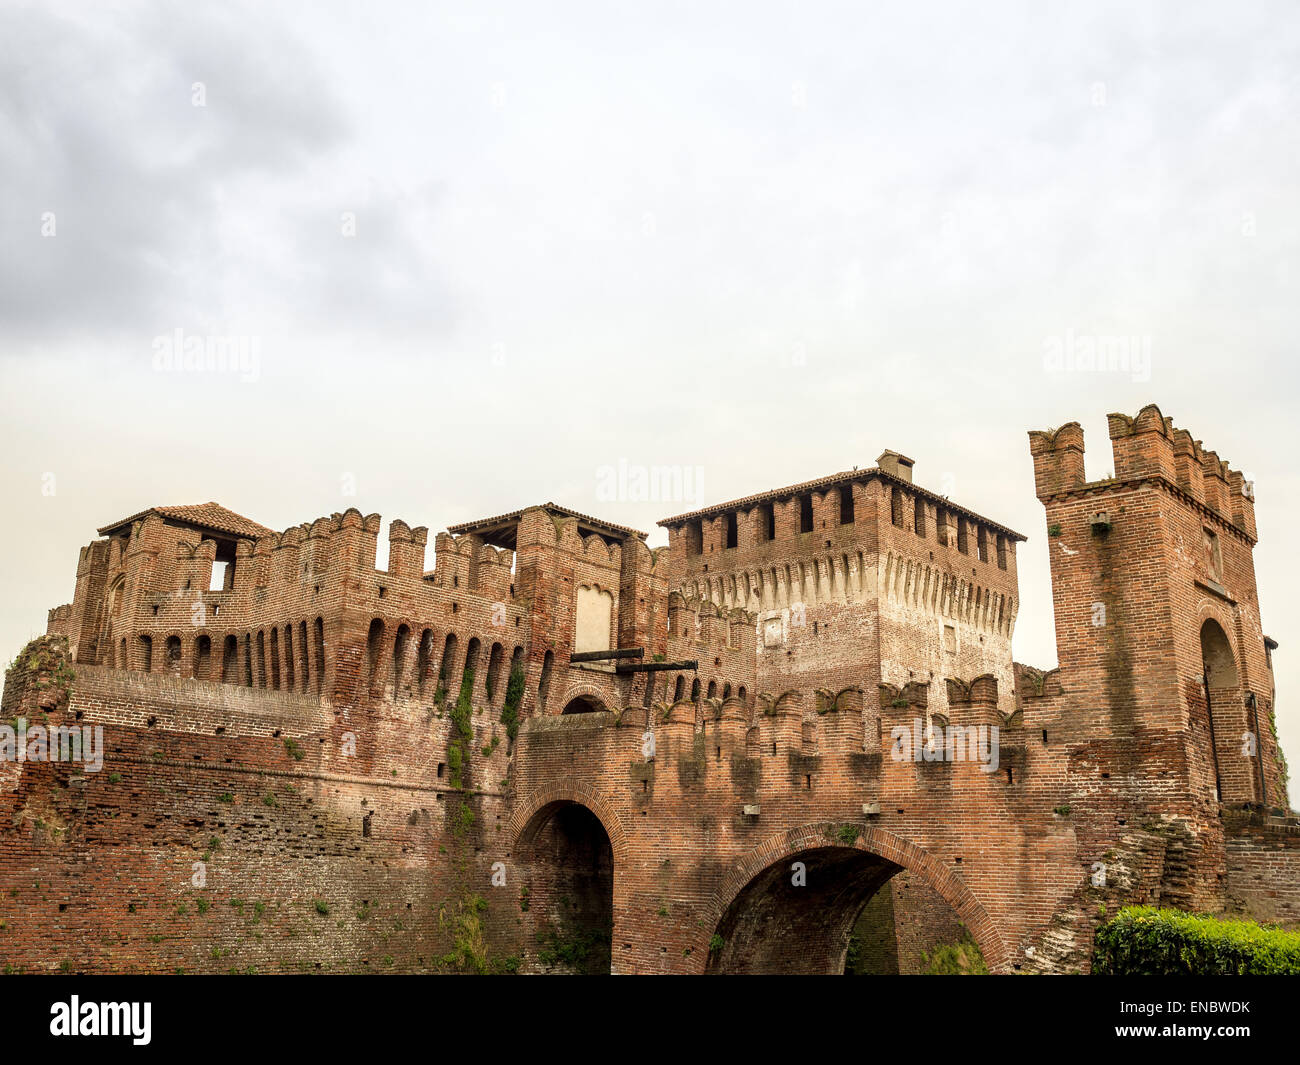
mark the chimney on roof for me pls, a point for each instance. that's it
(898, 465)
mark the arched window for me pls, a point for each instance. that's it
(146, 653)
(288, 658)
(202, 656)
(494, 670)
(374, 650)
(544, 686)
(680, 689)
(304, 654)
(275, 659)
(400, 642)
(230, 660)
(261, 658)
(1235, 779)
(320, 654)
(423, 660)
(173, 654)
(447, 668)
(695, 690)
(248, 660)
(471, 663)
(713, 689)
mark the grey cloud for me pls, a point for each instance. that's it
(172, 214)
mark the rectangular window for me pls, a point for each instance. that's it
(918, 521)
(846, 505)
(217, 582)
(805, 514)
(731, 529)
(1213, 556)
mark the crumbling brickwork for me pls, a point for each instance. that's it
(313, 764)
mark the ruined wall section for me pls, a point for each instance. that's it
(1263, 866)
(307, 611)
(235, 829)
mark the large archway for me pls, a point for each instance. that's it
(566, 859)
(1233, 780)
(795, 916)
(792, 904)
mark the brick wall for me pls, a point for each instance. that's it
(292, 733)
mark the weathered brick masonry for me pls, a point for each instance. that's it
(311, 764)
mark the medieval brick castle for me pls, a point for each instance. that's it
(560, 749)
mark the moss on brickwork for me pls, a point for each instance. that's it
(514, 696)
(963, 958)
(580, 950)
(43, 665)
(462, 732)
(470, 953)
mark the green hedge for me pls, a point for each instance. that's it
(1145, 941)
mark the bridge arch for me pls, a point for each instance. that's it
(759, 932)
(569, 852)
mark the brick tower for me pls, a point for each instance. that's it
(1157, 615)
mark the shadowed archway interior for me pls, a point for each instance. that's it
(795, 916)
(569, 879)
(584, 704)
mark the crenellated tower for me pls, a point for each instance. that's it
(1157, 611)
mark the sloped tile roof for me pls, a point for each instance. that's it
(552, 508)
(206, 515)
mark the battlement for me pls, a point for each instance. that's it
(1145, 446)
(1058, 459)
(820, 674)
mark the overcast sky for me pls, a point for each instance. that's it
(475, 255)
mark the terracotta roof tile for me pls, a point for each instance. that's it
(554, 508)
(207, 515)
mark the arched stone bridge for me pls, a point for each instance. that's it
(739, 844)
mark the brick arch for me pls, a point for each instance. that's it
(875, 841)
(522, 828)
(590, 690)
(1212, 611)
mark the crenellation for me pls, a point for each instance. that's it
(806, 674)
